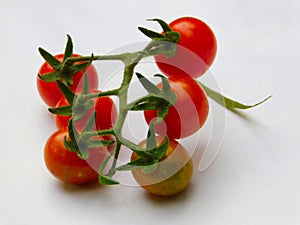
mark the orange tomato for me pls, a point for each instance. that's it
(172, 174)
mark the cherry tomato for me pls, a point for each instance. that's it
(106, 114)
(66, 165)
(171, 176)
(196, 49)
(189, 112)
(50, 92)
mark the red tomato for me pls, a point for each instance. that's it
(50, 92)
(196, 49)
(66, 165)
(189, 112)
(106, 114)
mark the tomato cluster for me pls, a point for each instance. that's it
(196, 51)
(64, 164)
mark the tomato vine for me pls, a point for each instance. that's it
(159, 99)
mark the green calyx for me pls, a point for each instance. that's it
(165, 43)
(64, 70)
(150, 157)
(78, 106)
(82, 142)
(156, 99)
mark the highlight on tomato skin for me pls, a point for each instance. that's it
(196, 49)
(66, 166)
(50, 92)
(188, 114)
(173, 173)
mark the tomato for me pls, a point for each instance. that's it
(189, 112)
(106, 114)
(66, 165)
(196, 49)
(171, 176)
(50, 92)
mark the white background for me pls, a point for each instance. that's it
(255, 179)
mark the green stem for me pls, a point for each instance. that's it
(124, 57)
(130, 60)
(98, 133)
(102, 94)
(120, 57)
(112, 170)
(130, 144)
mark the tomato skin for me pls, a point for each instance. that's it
(50, 92)
(66, 165)
(106, 114)
(188, 114)
(173, 173)
(196, 49)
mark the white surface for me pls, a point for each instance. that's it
(255, 179)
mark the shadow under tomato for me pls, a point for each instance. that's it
(79, 188)
(179, 198)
